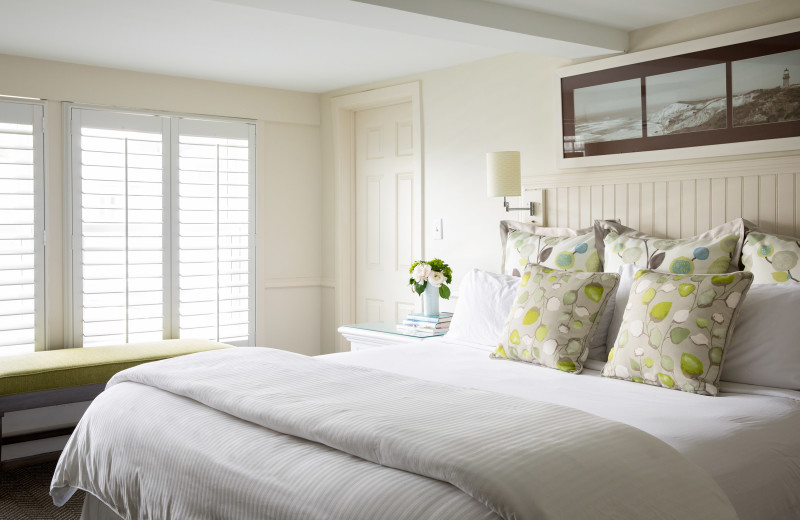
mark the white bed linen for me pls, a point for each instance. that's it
(522, 459)
(747, 438)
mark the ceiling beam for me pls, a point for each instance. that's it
(477, 22)
(515, 20)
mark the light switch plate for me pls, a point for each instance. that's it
(436, 230)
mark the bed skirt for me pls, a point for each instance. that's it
(95, 509)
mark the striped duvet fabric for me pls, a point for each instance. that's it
(260, 433)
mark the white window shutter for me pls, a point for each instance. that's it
(214, 254)
(21, 227)
(120, 226)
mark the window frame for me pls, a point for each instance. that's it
(40, 143)
(170, 194)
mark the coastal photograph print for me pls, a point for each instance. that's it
(766, 89)
(690, 100)
(608, 112)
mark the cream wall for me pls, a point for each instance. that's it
(507, 103)
(289, 245)
(503, 103)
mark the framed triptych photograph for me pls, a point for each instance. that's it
(667, 104)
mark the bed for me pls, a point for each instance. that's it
(440, 430)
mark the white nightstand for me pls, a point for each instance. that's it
(381, 334)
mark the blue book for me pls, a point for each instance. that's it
(438, 318)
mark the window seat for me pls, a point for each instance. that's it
(65, 376)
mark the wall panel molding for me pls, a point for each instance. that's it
(298, 282)
(788, 162)
(679, 200)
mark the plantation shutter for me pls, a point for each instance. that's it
(214, 254)
(21, 227)
(120, 227)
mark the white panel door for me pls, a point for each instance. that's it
(385, 221)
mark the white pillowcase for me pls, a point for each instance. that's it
(484, 301)
(765, 348)
(626, 273)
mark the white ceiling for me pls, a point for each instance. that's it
(320, 45)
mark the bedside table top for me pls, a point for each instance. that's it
(390, 327)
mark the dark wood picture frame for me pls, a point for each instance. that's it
(720, 55)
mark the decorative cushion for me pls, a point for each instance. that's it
(597, 347)
(771, 258)
(484, 300)
(558, 248)
(715, 251)
(676, 329)
(554, 317)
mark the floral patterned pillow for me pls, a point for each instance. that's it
(715, 251)
(771, 258)
(554, 317)
(566, 253)
(676, 329)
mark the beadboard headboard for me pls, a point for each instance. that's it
(678, 200)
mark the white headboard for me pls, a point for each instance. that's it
(679, 200)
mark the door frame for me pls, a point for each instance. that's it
(344, 109)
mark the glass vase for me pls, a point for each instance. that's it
(430, 300)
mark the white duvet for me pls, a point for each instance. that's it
(747, 438)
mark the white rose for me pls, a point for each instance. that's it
(436, 278)
(420, 273)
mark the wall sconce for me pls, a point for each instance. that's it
(504, 178)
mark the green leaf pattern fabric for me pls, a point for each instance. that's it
(771, 258)
(713, 252)
(676, 328)
(554, 317)
(564, 253)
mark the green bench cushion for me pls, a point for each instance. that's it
(53, 369)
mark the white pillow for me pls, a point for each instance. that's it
(765, 348)
(626, 273)
(484, 301)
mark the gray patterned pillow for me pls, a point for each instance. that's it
(771, 258)
(554, 317)
(715, 251)
(524, 242)
(676, 329)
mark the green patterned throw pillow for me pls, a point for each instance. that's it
(771, 258)
(554, 317)
(676, 328)
(565, 253)
(715, 251)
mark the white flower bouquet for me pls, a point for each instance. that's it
(435, 272)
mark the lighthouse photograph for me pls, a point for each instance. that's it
(766, 89)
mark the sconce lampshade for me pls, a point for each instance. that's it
(503, 178)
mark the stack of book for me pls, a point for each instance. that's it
(418, 322)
